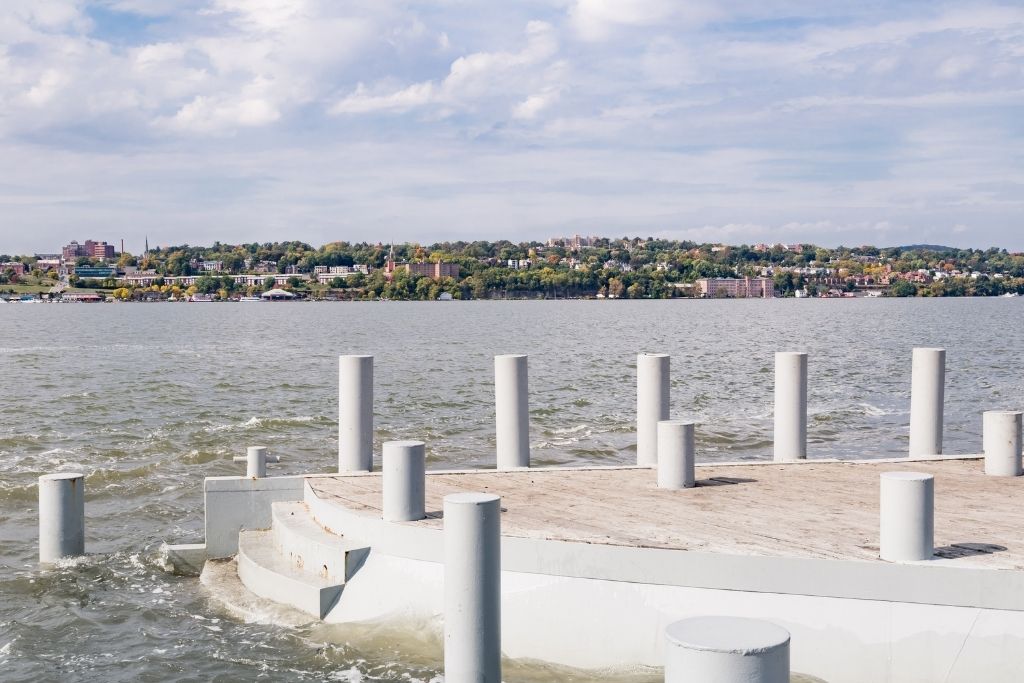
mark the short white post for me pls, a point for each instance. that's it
(61, 516)
(726, 650)
(355, 413)
(676, 454)
(927, 389)
(1002, 442)
(472, 588)
(790, 406)
(256, 459)
(512, 411)
(404, 472)
(652, 403)
(907, 516)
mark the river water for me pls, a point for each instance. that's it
(147, 399)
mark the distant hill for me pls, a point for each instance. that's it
(926, 247)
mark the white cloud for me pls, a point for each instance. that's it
(617, 117)
(596, 20)
(955, 67)
(472, 76)
(534, 104)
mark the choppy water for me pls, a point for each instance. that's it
(149, 399)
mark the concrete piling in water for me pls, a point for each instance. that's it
(676, 454)
(256, 459)
(907, 516)
(790, 435)
(726, 650)
(472, 588)
(927, 392)
(61, 516)
(404, 471)
(652, 403)
(512, 411)
(355, 413)
(1002, 442)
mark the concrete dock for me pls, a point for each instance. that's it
(823, 510)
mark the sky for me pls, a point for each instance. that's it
(190, 121)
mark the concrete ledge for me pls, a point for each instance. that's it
(927, 583)
(185, 559)
(236, 503)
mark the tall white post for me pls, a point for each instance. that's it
(652, 403)
(61, 516)
(676, 454)
(404, 471)
(472, 588)
(512, 411)
(726, 650)
(1002, 442)
(790, 406)
(355, 413)
(927, 389)
(907, 516)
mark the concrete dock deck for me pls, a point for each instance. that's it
(822, 510)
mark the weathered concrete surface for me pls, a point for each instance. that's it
(827, 510)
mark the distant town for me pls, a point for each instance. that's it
(561, 267)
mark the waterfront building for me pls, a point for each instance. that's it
(89, 249)
(738, 288)
(17, 267)
(431, 270)
(95, 272)
(574, 243)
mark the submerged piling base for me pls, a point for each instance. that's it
(726, 650)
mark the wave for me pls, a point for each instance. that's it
(258, 422)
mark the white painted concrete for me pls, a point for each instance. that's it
(1002, 442)
(472, 588)
(652, 403)
(184, 559)
(309, 547)
(726, 650)
(790, 436)
(61, 516)
(404, 470)
(616, 624)
(676, 454)
(269, 575)
(907, 516)
(938, 582)
(235, 503)
(512, 410)
(355, 413)
(927, 393)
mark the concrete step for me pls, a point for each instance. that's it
(264, 571)
(309, 547)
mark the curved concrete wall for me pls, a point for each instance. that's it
(850, 621)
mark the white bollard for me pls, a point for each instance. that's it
(355, 413)
(512, 411)
(676, 454)
(927, 389)
(790, 436)
(1002, 442)
(907, 516)
(61, 516)
(726, 650)
(472, 588)
(652, 403)
(256, 459)
(404, 467)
